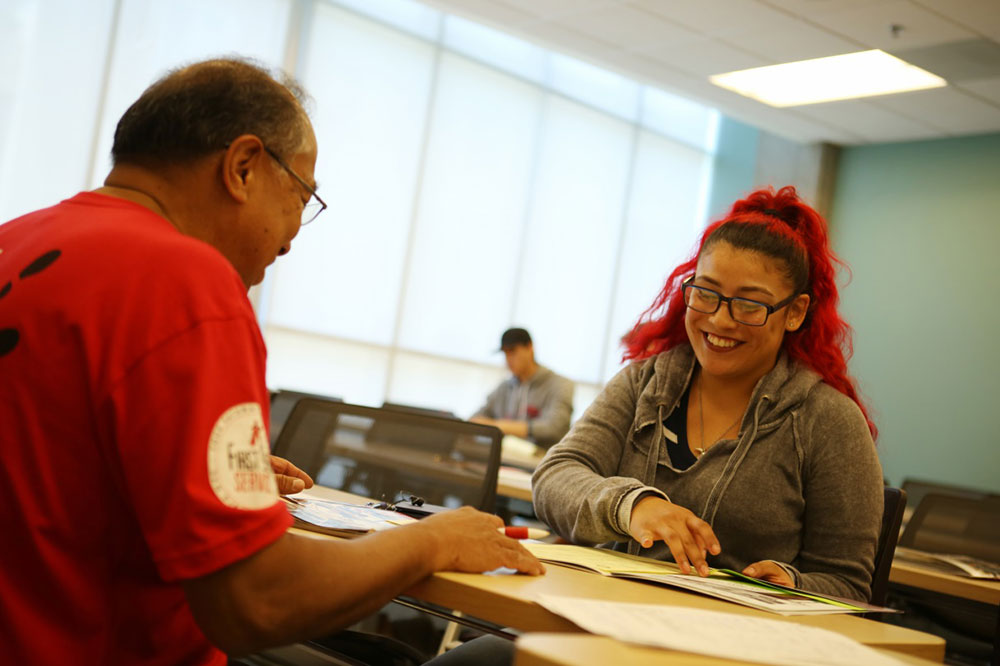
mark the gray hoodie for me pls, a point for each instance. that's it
(801, 485)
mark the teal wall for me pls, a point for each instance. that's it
(734, 167)
(919, 224)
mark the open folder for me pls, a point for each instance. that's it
(341, 519)
(721, 583)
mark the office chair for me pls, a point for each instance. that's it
(959, 525)
(282, 403)
(386, 453)
(916, 489)
(382, 453)
(892, 516)
(414, 409)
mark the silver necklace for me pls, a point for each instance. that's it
(701, 418)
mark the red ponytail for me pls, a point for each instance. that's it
(780, 225)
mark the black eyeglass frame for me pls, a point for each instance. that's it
(728, 300)
(302, 181)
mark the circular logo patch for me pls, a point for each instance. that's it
(239, 463)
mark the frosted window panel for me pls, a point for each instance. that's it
(664, 219)
(48, 99)
(583, 396)
(496, 48)
(472, 206)
(595, 86)
(154, 37)
(438, 383)
(572, 238)
(679, 118)
(303, 362)
(371, 86)
(407, 15)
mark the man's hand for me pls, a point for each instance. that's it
(290, 478)
(769, 571)
(467, 540)
(687, 535)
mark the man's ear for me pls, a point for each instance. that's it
(241, 164)
(797, 311)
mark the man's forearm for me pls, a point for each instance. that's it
(301, 587)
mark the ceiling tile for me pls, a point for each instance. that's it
(870, 122)
(788, 39)
(813, 8)
(982, 16)
(948, 109)
(704, 56)
(556, 8)
(871, 25)
(988, 89)
(626, 27)
(709, 17)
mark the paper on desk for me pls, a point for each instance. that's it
(714, 633)
(600, 560)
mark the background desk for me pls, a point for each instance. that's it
(913, 575)
(982, 596)
(513, 482)
(576, 650)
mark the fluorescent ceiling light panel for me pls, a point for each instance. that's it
(845, 76)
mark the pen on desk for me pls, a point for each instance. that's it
(522, 532)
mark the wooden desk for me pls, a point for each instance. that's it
(577, 650)
(914, 575)
(508, 600)
(512, 482)
(980, 594)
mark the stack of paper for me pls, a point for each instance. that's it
(341, 519)
(718, 634)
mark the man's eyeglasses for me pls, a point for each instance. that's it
(742, 310)
(315, 205)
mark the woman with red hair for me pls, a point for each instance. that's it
(736, 438)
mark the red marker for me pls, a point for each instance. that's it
(522, 532)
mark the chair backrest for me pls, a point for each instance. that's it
(957, 525)
(892, 516)
(388, 453)
(917, 488)
(282, 402)
(414, 409)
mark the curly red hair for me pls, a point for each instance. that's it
(779, 225)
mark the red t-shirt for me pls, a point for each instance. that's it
(133, 450)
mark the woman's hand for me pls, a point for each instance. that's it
(290, 478)
(687, 535)
(771, 572)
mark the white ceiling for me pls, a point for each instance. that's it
(676, 44)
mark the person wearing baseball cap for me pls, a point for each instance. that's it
(534, 403)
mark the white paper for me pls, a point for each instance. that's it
(714, 633)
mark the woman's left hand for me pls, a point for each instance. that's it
(290, 478)
(769, 571)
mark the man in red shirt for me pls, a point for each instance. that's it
(139, 511)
